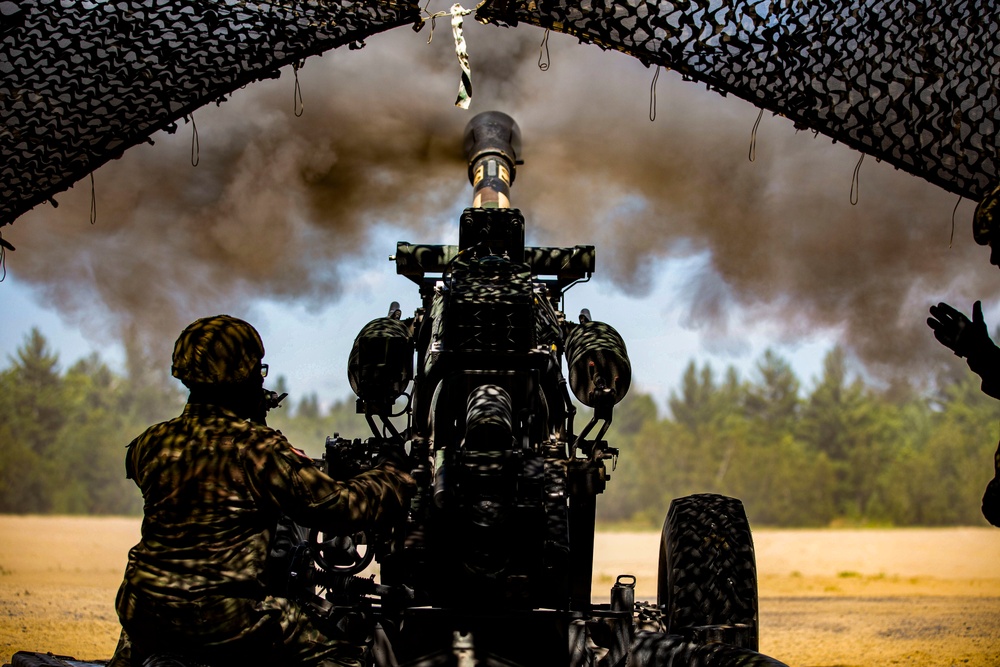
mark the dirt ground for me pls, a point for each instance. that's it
(828, 598)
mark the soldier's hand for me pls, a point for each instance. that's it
(955, 331)
(407, 487)
(394, 456)
(393, 460)
(396, 497)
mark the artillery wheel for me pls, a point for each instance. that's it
(707, 578)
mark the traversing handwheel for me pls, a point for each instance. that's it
(341, 553)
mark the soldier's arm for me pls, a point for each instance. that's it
(289, 481)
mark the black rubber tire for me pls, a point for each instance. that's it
(707, 578)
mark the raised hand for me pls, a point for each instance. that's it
(956, 331)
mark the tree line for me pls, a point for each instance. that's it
(63, 432)
(845, 451)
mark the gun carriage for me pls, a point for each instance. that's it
(494, 565)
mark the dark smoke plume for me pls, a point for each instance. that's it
(278, 204)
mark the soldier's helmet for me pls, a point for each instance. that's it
(986, 219)
(217, 350)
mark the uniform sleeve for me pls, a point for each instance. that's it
(282, 477)
(986, 364)
(130, 462)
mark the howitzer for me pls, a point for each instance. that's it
(493, 565)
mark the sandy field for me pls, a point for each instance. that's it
(828, 598)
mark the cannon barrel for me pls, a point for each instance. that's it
(492, 146)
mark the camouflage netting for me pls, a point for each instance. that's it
(909, 83)
(83, 81)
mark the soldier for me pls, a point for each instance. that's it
(215, 481)
(970, 339)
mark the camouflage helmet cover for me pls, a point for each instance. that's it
(986, 219)
(217, 349)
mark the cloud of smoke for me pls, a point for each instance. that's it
(784, 243)
(275, 207)
(278, 204)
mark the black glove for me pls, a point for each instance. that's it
(956, 332)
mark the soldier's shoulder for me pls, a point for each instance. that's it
(262, 437)
(264, 433)
(158, 429)
(267, 441)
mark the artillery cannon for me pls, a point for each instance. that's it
(494, 564)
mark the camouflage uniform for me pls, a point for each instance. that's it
(214, 486)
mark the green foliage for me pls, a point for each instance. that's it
(842, 452)
(63, 435)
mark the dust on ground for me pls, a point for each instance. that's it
(828, 598)
(853, 598)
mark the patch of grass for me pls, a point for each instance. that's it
(856, 522)
(849, 574)
(637, 524)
